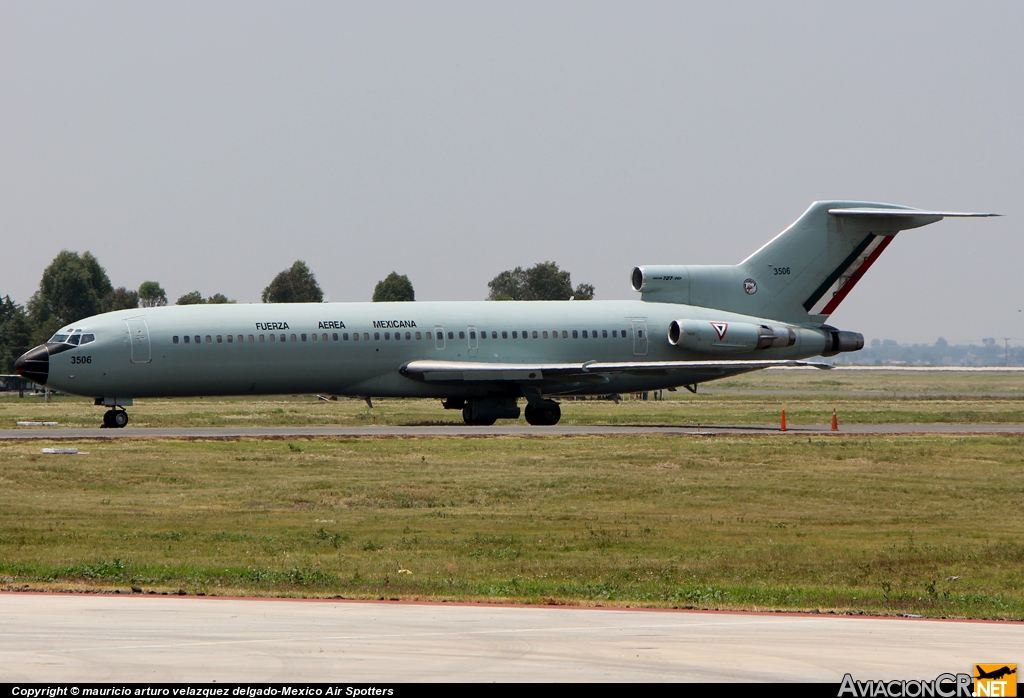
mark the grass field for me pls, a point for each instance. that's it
(755, 399)
(926, 525)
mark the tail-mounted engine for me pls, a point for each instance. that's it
(728, 337)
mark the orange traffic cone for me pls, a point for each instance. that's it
(782, 427)
(835, 422)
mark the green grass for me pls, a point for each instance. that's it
(925, 525)
(755, 399)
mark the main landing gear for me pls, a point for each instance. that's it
(115, 419)
(546, 414)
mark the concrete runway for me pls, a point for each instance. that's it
(56, 433)
(54, 637)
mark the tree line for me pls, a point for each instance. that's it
(75, 286)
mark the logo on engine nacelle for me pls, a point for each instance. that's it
(721, 328)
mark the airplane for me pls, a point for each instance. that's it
(692, 324)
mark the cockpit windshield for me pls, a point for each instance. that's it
(74, 338)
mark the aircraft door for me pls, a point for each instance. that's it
(474, 341)
(138, 335)
(639, 338)
(438, 337)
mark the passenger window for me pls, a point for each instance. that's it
(429, 335)
(376, 336)
(419, 335)
(355, 337)
(615, 333)
(623, 333)
(593, 334)
(494, 335)
(565, 334)
(303, 338)
(251, 339)
(408, 335)
(344, 336)
(273, 338)
(241, 338)
(584, 334)
(199, 341)
(526, 334)
(295, 340)
(220, 340)
(174, 339)
(472, 334)
(186, 338)
(231, 339)
(639, 334)
(504, 334)
(366, 336)
(262, 339)
(387, 336)
(575, 334)
(462, 335)
(315, 338)
(545, 334)
(604, 334)
(451, 335)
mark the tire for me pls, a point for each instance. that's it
(545, 415)
(108, 419)
(467, 417)
(119, 419)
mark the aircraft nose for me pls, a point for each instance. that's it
(34, 365)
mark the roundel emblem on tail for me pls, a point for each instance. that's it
(750, 286)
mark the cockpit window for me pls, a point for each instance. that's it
(74, 338)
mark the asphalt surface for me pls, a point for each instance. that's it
(58, 433)
(79, 638)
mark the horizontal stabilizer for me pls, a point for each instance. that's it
(905, 212)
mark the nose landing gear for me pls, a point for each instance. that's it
(115, 419)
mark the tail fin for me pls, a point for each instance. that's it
(803, 273)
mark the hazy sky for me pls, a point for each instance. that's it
(209, 145)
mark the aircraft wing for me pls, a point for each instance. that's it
(457, 371)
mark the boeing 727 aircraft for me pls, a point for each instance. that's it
(692, 324)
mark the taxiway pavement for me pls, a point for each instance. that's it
(85, 637)
(59, 433)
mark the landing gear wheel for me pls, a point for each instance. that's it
(544, 415)
(115, 419)
(467, 417)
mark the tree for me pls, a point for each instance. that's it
(196, 298)
(394, 288)
(72, 288)
(151, 295)
(543, 281)
(120, 299)
(15, 333)
(191, 298)
(295, 285)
